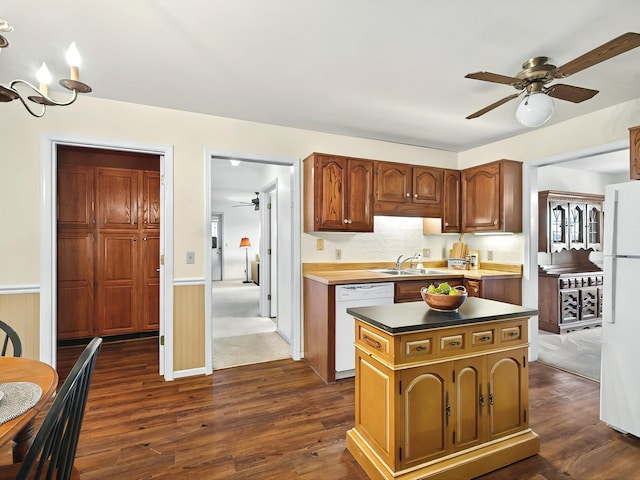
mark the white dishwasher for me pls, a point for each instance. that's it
(349, 296)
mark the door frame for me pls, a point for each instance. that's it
(211, 155)
(268, 253)
(48, 244)
(220, 218)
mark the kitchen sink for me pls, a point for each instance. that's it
(409, 271)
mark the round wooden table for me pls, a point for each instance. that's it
(21, 429)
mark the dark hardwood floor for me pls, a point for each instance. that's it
(278, 420)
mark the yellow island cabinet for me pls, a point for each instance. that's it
(441, 395)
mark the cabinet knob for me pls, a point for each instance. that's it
(345, 221)
(446, 224)
(408, 194)
(415, 195)
(495, 222)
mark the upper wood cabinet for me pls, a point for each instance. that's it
(569, 220)
(338, 194)
(408, 190)
(634, 153)
(492, 197)
(451, 202)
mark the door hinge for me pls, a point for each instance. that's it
(269, 297)
(400, 387)
(525, 415)
(162, 179)
(268, 251)
(454, 437)
(162, 340)
(524, 361)
(161, 259)
(400, 453)
(269, 206)
(453, 376)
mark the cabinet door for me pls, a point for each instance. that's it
(75, 285)
(594, 227)
(359, 195)
(150, 314)
(569, 305)
(117, 289)
(588, 303)
(634, 153)
(394, 182)
(151, 199)
(474, 287)
(451, 201)
(374, 406)
(75, 196)
(426, 405)
(481, 198)
(330, 187)
(470, 400)
(117, 198)
(427, 186)
(559, 226)
(577, 225)
(507, 393)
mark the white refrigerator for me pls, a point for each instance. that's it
(620, 373)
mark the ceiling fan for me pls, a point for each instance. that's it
(537, 106)
(255, 202)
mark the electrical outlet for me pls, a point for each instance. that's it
(319, 244)
(191, 257)
(426, 252)
(338, 254)
(490, 255)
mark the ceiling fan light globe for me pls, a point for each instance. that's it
(535, 109)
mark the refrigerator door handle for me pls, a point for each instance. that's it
(608, 309)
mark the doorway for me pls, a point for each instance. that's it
(48, 271)
(580, 166)
(270, 230)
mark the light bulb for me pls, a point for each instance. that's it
(73, 55)
(535, 109)
(73, 59)
(44, 77)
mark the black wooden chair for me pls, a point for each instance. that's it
(53, 451)
(10, 335)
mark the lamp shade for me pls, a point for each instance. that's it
(245, 242)
(535, 109)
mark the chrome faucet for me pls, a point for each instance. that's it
(400, 260)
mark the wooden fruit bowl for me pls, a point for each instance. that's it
(444, 303)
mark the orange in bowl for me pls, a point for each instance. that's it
(443, 302)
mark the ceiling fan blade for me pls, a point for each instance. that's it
(492, 106)
(621, 44)
(496, 78)
(570, 93)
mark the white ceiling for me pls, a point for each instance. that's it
(382, 69)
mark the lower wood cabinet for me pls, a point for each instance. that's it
(466, 388)
(570, 301)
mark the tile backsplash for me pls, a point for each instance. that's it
(394, 236)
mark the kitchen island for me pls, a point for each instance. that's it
(441, 395)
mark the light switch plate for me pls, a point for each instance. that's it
(191, 257)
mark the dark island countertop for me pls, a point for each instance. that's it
(413, 316)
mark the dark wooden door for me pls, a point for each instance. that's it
(150, 315)
(330, 197)
(108, 242)
(75, 307)
(394, 182)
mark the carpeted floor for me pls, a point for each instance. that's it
(240, 336)
(576, 352)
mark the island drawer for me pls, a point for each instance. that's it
(374, 341)
(513, 333)
(417, 346)
(483, 337)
